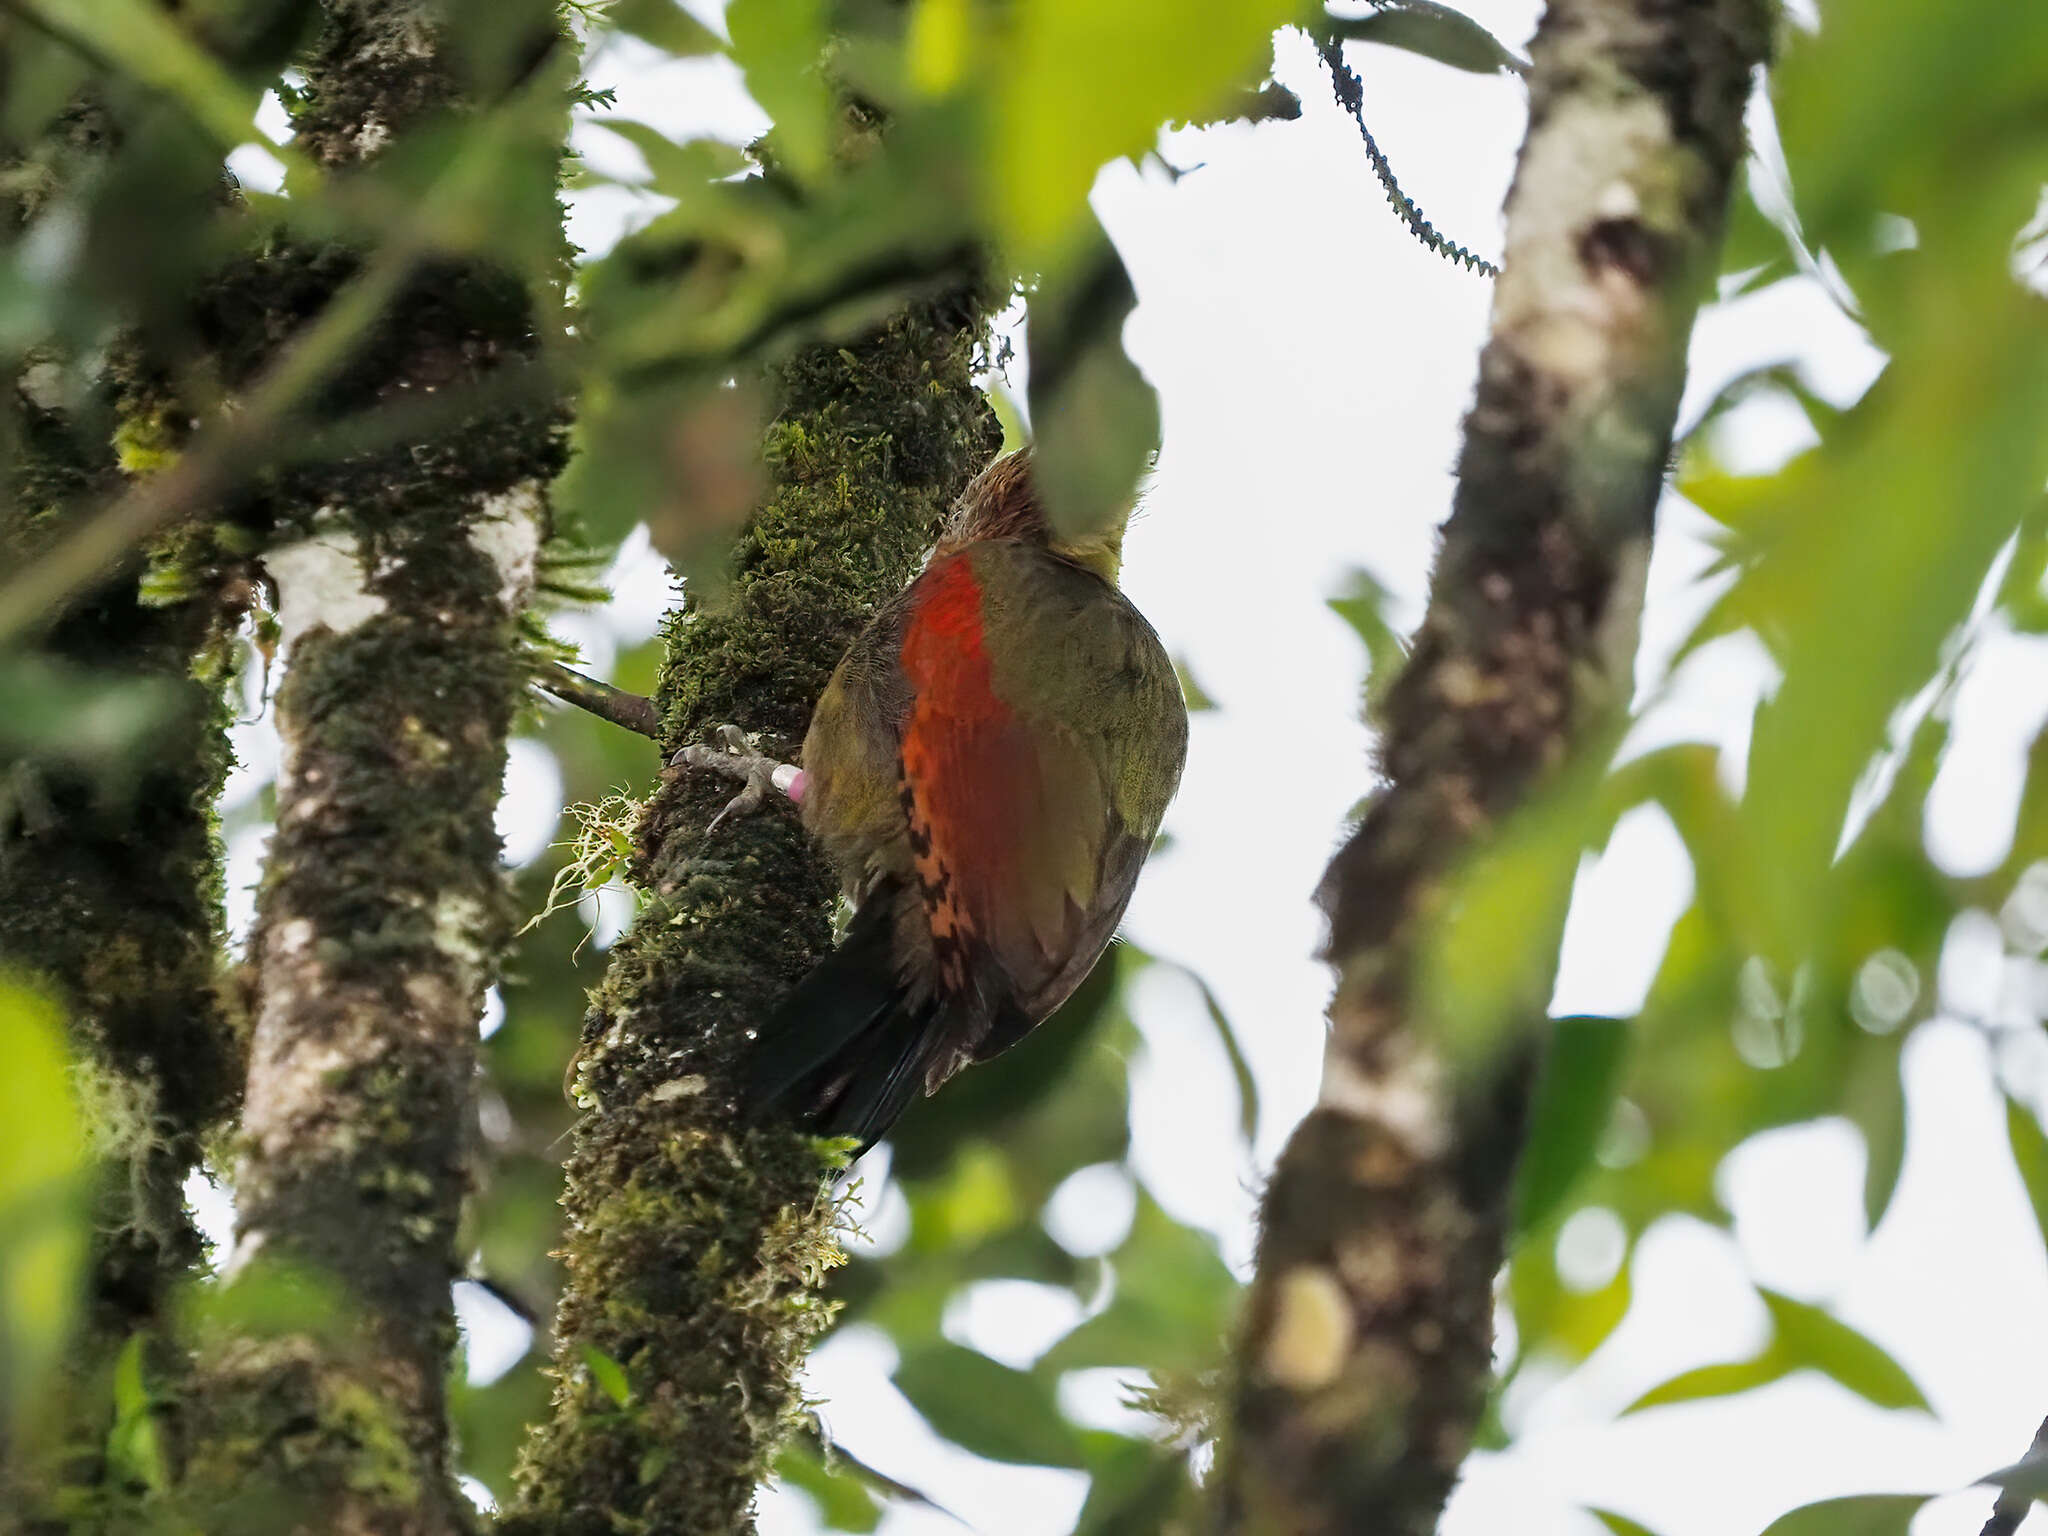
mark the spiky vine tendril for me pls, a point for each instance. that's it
(1350, 93)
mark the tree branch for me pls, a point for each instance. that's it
(2015, 1503)
(696, 1246)
(1363, 1360)
(621, 708)
(400, 575)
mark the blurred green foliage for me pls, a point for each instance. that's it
(1872, 1514)
(43, 1208)
(914, 144)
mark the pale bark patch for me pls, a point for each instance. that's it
(1312, 1330)
(508, 534)
(321, 585)
(1405, 1102)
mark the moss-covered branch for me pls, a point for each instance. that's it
(696, 1246)
(1363, 1361)
(400, 576)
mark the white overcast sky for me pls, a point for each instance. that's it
(1313, 363)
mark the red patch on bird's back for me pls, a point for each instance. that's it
(959, 760)
(942, 645)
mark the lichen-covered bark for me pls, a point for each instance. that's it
(400, 577)
(696, 1245)
(1363, 1359)
(109, 860)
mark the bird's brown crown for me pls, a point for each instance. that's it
(1002, 503)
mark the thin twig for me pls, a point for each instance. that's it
(630, 710)
(2014, 1502)
(1350, 91)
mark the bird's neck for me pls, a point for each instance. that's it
(1102, 553)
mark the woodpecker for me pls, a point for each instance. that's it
(987, 770)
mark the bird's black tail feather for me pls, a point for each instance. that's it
(846, 1052)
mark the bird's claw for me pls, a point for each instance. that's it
(735, 757)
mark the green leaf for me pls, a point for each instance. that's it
(1754, 247)
(780, 48)
(43, 1234)
(1811, 1337)
(1706, 1381)
(1869, 1514)
(1870, 118)
(2030, 1156)
(609, 1375)
(1620, 1525)
(986, 1407)
(1240, 1065)
(1803, 1337)
(43, 78)
(1172, 1302)
(1133, 1486)
(1097, 419)
(1698, 470)
(1196, 696)
(1363, 605)
(1574, 1100)
(1552, 1318)
(273, 1298)
(144, 40)
(1084, 82)
(682, 460)
(836, 1466)
(491, 1424)
(134, 1449)
(1942, 459)
(100, 721)
(939, 44)
(1061, 1102)
(1489, 959)
(665, 24)
(844, 1504)
(679, 167)
(1435, 32)
(1874, 1099)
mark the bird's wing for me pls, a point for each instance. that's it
(1031, 689)
(850, 756)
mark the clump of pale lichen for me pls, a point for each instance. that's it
(600, 849)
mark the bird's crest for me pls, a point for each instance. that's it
(1002, 502)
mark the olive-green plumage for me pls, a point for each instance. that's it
(987, 768)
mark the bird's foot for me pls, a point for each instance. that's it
(735, 757)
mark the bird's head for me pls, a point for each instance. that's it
(1002, 503)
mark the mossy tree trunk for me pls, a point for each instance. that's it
(110, 871)
(1363, 1362)
(696, 1245)
(401, 576)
